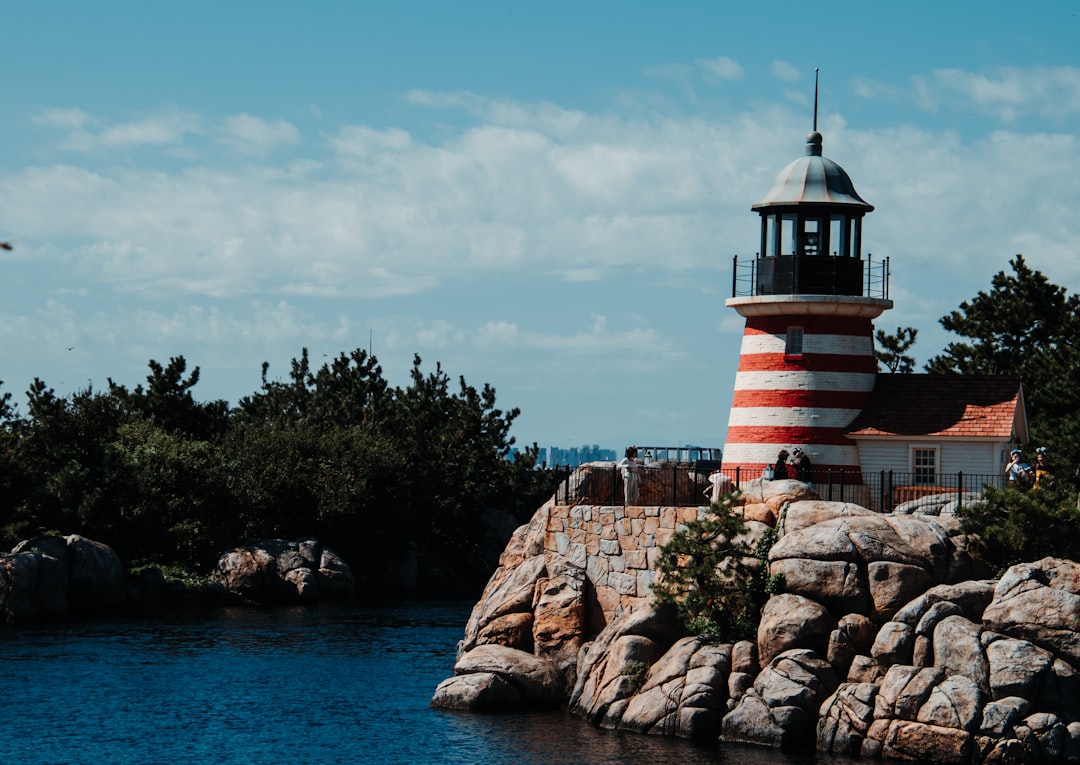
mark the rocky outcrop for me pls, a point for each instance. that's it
(889, 641)
(282, 571)
(53, 577)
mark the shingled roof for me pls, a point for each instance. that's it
(955, 406)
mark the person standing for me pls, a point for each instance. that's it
(803, 468)
(1042, 469)
(1016, 467)
(630, 467)
(780, 469)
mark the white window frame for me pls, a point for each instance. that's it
(916, 468)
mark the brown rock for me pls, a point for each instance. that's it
(559, 621)
(925, 743)
(894, 644)
(539, 681)
(845, 718)
(1039, 602)
(510, 630)
(892, 585)
(958, 651)
(791, 621)
(482, 691)
(837, 585)
(956, 702)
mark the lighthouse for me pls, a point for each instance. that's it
(809, 297)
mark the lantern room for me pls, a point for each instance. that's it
(811, 230)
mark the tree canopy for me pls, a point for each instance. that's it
(1024, 325)
(335, 453)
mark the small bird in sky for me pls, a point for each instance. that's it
(6, 246)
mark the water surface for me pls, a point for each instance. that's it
(332, 684)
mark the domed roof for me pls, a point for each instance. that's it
(813, 179)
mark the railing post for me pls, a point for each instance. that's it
(890, 491)
(674, 486)
(828, 478)
(959, 489)
(881, 492)
(734, 275)
(738, 480)
(841, 484)
(614, 484)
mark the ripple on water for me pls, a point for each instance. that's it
(333, 684)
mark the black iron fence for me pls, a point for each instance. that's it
(688, 485)
(754, 276)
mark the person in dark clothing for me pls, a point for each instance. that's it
(780, 469)
(802, 467)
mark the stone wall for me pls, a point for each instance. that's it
(616, 547)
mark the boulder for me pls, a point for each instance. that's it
(792, 621)
(95, 576)
(510, 630)
(482, 691)
(559, 621)
(511, 589)
(781, 709)
(611, 668)
(538, 681)
(279, 570)
(1040, 602)
(845, 718)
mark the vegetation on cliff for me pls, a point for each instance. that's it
(335, 453)
(715, 575)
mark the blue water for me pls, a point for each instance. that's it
(333, 684)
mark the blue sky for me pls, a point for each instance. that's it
(541, 196)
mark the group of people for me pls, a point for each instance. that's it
(795, 464)
(1018, 468)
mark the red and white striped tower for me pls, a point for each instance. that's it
(807, 366)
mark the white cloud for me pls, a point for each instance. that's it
(786, 71)
(253, 135)
(612, 208)
(86, 134)
(722, 68)
(66, 119)
(1008, 94)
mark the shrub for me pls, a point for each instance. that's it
(716, 579)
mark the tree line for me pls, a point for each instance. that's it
(334, 453)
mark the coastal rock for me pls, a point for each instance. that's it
(782, 707)
(479, 692)
(51, 577)
(538, 681)
(510, 630)
(511, 589)
(1040, 602)
(559, 621)
(95, 576)
(936, 667)
(278, 570)
(792, 621)
(611, 668)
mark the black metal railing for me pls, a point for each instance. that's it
(783, 276)
(687, 485)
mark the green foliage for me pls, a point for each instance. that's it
(1019, 524)
(636, 671)
(1027, 326)
(891, 350)
(335, 453)
(717, 581)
